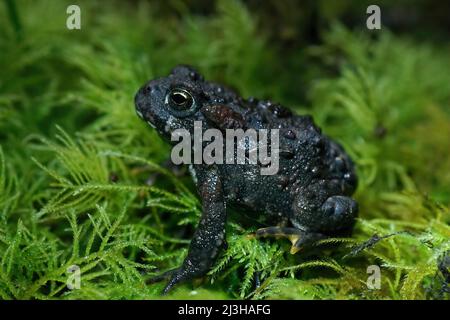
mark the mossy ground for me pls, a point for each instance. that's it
(75, 158)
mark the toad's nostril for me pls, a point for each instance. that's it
(147, 89)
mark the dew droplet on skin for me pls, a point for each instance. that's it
(339, 163)
(290, 135)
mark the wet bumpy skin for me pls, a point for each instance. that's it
(309, 195)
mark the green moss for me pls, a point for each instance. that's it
(74, 157)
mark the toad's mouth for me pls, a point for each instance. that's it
(151, 124)
(140, 107)
(147, 118)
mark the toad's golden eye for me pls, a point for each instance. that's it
(181, 99)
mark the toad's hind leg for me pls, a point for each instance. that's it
(339, 213)
(299, 238)
(317, 211)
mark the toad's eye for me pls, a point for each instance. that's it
(180, 99)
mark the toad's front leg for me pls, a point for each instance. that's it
(210, 234)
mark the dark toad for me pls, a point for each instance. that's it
(311, 190)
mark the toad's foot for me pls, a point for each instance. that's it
(299, 238)
(164, 276)
(174, 276)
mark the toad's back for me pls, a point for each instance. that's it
(309, 163)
